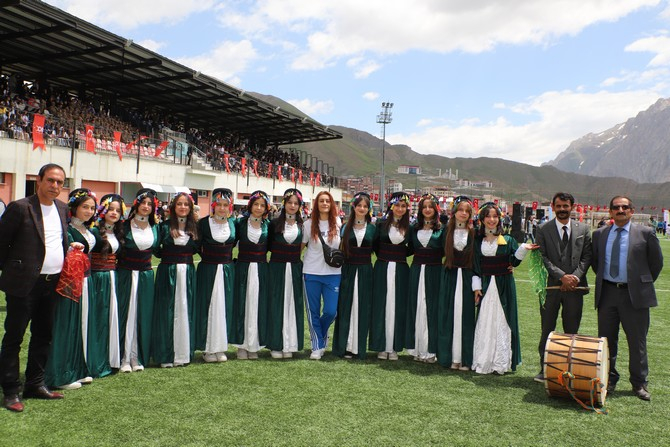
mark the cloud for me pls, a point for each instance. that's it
(660, 45)
(225, 62)
(370, 96)
(329, 31)
(151, 44)
(562, 117)
(129, 14)
(310, 107)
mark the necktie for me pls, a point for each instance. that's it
(564, 241)
(614, 256)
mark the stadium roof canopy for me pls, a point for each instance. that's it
(43, 43)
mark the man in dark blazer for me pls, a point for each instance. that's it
(33, 243)
(565, 245)
(627, 259)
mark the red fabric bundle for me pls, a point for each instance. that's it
(71, 279)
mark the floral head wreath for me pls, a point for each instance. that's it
(458, 200)
(362, 194)
(221, 194)
(103, 208)
(77, 194)
(433, 199)
(396, 198)
(483, 212)
(256, 195)
(143, 194)
(180, 194)
(290, 193)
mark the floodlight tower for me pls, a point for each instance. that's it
(383, 118)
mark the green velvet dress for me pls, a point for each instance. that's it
(250, 302)
(173, 331)
(285, 334)
(389, 257)
(456, 284)
(215, 286)
(103, 322)
(425, 276)
(355, 297)
(492, 350)
(67, 360)
(135, 292)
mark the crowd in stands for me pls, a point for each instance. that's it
(67, 115)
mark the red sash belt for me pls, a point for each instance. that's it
(285, 252)
(495, 265)
(131, 259)
(103, 263)
(217, 253)
(392, 252)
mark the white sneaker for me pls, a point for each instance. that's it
(242, 354)
(287, 355)
(166, 365)
(455, 366)
(253, 355)
(136, 366)
(393, 355)
(431, 359)
(180, 364)
(221, 357)
(464, 368)
(70, 386)
(383, 356)
(276, 354)
(126, 368)
(210, 358)
(86, 380)
(317, 354)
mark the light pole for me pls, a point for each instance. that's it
(383, 118)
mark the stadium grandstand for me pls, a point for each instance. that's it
(118, 117)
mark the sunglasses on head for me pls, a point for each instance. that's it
(621, 207)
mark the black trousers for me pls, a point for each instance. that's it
(38, 309)
(570, 304)
(615, 309)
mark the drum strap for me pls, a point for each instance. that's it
(595, 385)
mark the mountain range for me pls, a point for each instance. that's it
(576, 170)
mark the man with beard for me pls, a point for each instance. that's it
(627, 259)
(565, 245)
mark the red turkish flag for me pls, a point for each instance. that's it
(318, 179)
(475, 204)
(38, 132)
(269, 170)
(117, 144)
(293, 174)
(161, 147)
(225, 160)
(90, 141)
(279, 175)
(300, 176)
(256, 168)
(311, 178)
(244, 167)
(534, 206)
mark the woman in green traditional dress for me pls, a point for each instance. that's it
(135, 281)
(427, 241)
(250, 300)
(389, 300)
(286, 317)
(456, 308)
(173, 332)
(66, 368)
(496, 344)
(352, 323)
(215, 278)
(104, 352)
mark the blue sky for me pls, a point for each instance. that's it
(518, 79)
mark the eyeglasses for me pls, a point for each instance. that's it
(620, 207)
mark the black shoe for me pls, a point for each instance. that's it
(642, 392)
(13, 403)
(41, 392)
(539, 378)
(611, 387)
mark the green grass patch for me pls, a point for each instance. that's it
(351, 402)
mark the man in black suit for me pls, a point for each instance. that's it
(627, 259)
(33, 243)
(565, 245)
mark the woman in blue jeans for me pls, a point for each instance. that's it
(321, 280)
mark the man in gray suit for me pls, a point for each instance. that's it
(566, 251)
(627, 259)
